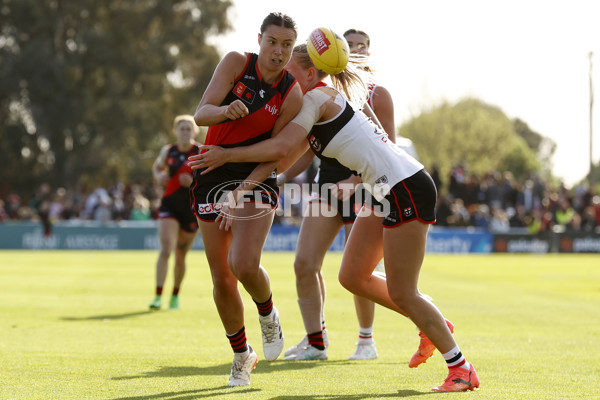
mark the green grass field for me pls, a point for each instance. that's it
(75, 325)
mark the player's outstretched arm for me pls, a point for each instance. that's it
(272, 149)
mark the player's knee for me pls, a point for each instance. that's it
(304, 266)
(348, 281)
(244, 268)
(224, 282)
(402, 298)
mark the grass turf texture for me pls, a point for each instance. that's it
(75, 325)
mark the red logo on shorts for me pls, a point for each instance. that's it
(407, 211)
(210, 208)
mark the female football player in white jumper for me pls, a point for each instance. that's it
(406, 193)
(382, 105)
(319, 229)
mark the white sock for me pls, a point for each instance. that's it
(454, 358)
(365, 335)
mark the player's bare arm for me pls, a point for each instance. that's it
(159, 168)
(209, 111)
(316, 105)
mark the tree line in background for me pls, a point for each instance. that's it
(89, 89)
(481, 137)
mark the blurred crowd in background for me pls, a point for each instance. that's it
(498, 202)
(493, 201)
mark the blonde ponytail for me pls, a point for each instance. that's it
(353, 81)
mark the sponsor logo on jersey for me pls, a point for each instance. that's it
(261, 93)
(272, 109)
(314, 143)
(244, 92)
(382, 179)
(250, 77)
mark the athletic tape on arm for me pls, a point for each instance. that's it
(311, 105)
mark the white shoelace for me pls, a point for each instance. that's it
(237, 368)
(270, 330)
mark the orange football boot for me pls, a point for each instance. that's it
(426, 349)
(459, 380)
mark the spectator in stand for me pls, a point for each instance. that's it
(495, 196)
(546, 216)
(539, 191)
(533, 222)
(57, 205)
(435, 175)
(565, 216)
(517, 220)
(13, 205)
(457, 178)
(499, 222)
(581, 198)
(444, 209)
(472, 191)
(40, 205)
(3, 214)
(508, 190)
(118, 204)
(102, 210)
(41, 195)
(525, 196)
(588, 219)
(596, 205)
(481, 218)
(460, 215)
(140, 209)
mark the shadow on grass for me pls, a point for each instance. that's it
(108, 316)
(261, 368)
(223, 369)
(399, 393)
(174, 372)
(193, 394)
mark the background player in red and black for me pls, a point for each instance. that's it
(177, 225)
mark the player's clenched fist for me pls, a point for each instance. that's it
(236, 110)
